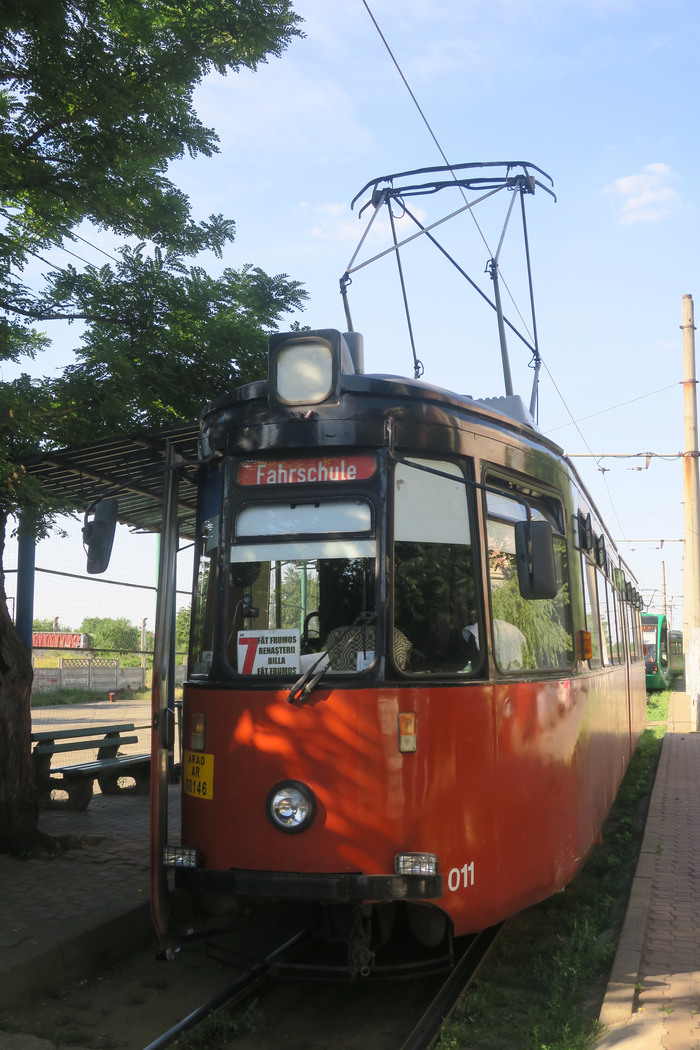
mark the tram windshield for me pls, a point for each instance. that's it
(303, 587)
(649, 640)
(300, 589)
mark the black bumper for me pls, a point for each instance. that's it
(342, 887)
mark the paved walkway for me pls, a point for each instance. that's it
(62, 916)
(653, 997)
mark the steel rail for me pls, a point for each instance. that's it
(250, 977)
(427, 1030)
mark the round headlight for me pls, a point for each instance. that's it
(291, 806)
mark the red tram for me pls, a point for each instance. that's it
(416, 674)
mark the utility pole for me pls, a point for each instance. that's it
(691, 502)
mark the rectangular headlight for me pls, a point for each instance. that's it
(416, 864)
(180, 857)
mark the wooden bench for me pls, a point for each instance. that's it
(77, 779)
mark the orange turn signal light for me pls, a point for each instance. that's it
(585, 645)
(407, 731)
(198, 732)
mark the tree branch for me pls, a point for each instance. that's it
(48, 315)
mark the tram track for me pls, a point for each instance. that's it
(231, 995)
(375, 1015)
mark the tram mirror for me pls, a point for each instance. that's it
(98, 534)
(534, 555)
(244, 574)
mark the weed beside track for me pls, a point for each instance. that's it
(543, 984)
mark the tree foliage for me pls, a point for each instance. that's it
(116, 634)
(156, 325)
(182, 628)
(49, 625)
(96, 100)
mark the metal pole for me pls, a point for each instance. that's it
(691, 502)
(493, 271)
(24, 611)
(162, 729)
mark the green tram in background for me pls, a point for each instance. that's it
(663, 651)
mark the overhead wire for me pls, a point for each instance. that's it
(614, 408)
(60, 247)
(574, 422)
(524, 322)
(593, 455)
(443, 155)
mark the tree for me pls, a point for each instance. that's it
(95, 101)
(49, 625)
(182, 628)
(155, 326)
(115, 635)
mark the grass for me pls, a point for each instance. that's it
(62, 697)
(218, 1028)
(657, 706)
(541, 987)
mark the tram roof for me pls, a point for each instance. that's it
(128, 467)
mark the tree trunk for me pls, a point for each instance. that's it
(19, 808)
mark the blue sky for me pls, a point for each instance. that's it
(602, 95)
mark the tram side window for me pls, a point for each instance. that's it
(527, 634)
(434, 584)
(636, 621)
(663, 644)
(607, 620)
(633, 630)
(590, 597)
(619, 614)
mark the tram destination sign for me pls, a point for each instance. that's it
(308, 470)
(269, 652)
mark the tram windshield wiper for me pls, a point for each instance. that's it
(304, 686)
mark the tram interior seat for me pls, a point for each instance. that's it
(343, 645)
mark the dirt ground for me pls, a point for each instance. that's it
(125, 1008)
(133, 1002)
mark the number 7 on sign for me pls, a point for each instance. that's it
(250, 644)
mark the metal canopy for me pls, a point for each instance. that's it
(130, 468)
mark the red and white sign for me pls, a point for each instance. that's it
(311, 469)
(269, 652)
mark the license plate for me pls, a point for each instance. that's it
(198, 774)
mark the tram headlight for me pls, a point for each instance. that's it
(305, 367)
(304, 372)
(291, 806)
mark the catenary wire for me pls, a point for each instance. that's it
(442, 154)
(614, 408)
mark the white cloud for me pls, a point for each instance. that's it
(336, 222)
(646, 197)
